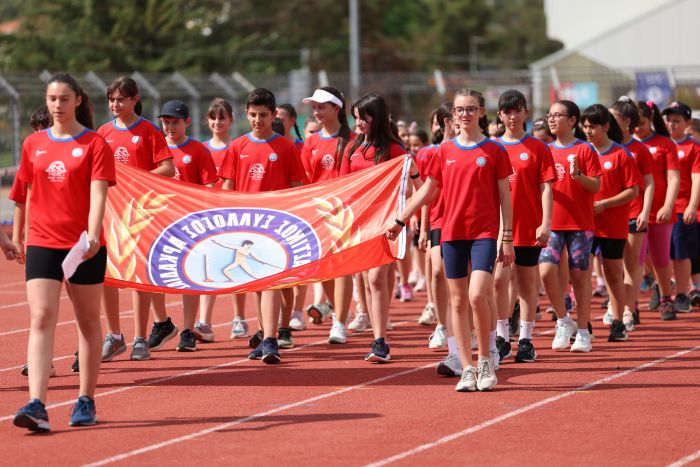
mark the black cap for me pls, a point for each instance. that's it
(678, 108)
(177, 109)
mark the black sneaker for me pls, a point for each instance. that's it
(188, 341)
(270, 351)
(682, 303)
(380, 352)
(655, 300)
(256, 353)
(161, 333)
(694, 296)
(617, 332)
(635, 314)
(590, 330)
(75, 367)
(605, 303)
(504, 348)
(568, 303)
(667, 311)
(285, 339)
(255, 340)
(526, 352)
(514, 323)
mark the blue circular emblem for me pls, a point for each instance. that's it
(224, 248)
(524, 156)
(273, 157)
(186, 159)
(480, 161)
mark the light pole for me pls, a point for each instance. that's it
(474, 42)
(354, 49)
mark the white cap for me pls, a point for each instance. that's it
(320, 96)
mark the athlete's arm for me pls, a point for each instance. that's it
(98, 198)
(623, 197)
(643, 218)
(425, 195)
(690, 213)
(18, 230)
(542, 232)
(674, 183)
(165, 168)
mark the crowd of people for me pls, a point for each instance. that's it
(498, 217)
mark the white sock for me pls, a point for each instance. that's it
(583, 332)
(526, 328)
(502, 328)
(117, 336)
(565, 320)
(452, 345)
(492, 341)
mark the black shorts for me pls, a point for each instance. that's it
(435, 238)
(416, 236)
(45, 263)
(610, 248)
(632, 228)
(527, 256)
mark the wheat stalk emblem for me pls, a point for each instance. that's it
(339, 221)
(126, 232)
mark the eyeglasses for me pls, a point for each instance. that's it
(555, 115)
(459, 111)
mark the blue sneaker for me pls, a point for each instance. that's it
(257, 353)
(380, 352)
(33, 416)
(84, 413)
(270, 351)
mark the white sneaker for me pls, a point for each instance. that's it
(361, 323)
(420, 285)
(338, 334)
(389, 326)
(582, 343)
(450, 366)
(438, 339)
(203, 331)
(467, 383)
(297, 321)
(412, 278)
(608, 317)
(486, 375)
(628, 320)
(495, 358)
(474, 344)
(563, 335)
(427, 318)
(239, 328)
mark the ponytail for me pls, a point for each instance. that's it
(441, 113)
(83, 113)
(344, 132)
(598, 114)
(573, 111)
(650, 111)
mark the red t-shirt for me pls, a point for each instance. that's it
(469, 178)
(363, 157)
(217, 154)
(532, 166)
(299, 144)
(642, 157)
(193, 163)
(689, 160)
(59, 172)
(261, 165)
(619, 173)
(664, 157)
(141, 145)
(18, 193)
(423, 158)
(318, 156)
(573, 204)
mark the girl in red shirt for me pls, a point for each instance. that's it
(67, 169)
(288, 114)
(652, 132)
(619, 186)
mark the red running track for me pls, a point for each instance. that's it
(624, 403)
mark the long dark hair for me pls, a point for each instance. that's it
(649, 110)
(344, 132)
(83, 113)
(380, 134)
(127, 87)
(289, 108)
(510, 100)
(628, 109)
(598, 114)
(483, 121)
(441, 113)
(573, 111)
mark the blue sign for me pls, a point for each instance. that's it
(654, 86)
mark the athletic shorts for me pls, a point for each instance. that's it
(610, 248)
(457, 254)
(633, 227)
(415, 237)
(578, 242)
(684, 240)
(527, 256)
(435, 237)
(45, 263)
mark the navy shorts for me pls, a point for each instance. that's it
(435, 237)
(610, 248)
(633, 227)
(684, 240)
(457, 254)
(527, 256)
(45, 263)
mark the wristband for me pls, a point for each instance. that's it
(402, 224)
(506, 241)
(415, 175)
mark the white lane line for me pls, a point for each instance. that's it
(686, 460)
(254, 417)
(527, 408)
(24, 303)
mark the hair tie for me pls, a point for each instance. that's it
(650, 104)
(624, 99)
(412, 127)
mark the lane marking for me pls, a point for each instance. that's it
(686, 460)
(24, 303)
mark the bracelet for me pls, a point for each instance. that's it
(415, 175)
(402, 224)
(507, 241)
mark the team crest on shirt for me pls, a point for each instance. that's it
(681, 154)
(480, 161)
(121, 155)
(227, 247)
(257, 171)
(77, 152)
(56, 171)
(177, 174)
(186, 159)
(273, 157)
(571, 157)
(561, 171)
(607, 165)
(135, 139)
(524, 156)
(328, 162)
(652, 149)
(511, 177)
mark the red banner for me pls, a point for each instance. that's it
(174, 237)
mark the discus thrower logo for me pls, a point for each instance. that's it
(121, 155)
(257, 171)
(56, 171)
(222, 248)
(328, 162)
(561, 171)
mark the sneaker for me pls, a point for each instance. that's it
(486, 375)
(256, 353)
(600, 291)
(255, 340)
(474, 343)
(568, 302)
(682, 303)
(617, 332)
(25, 371)
(582, 343)
(161, 333)
(438, 339)
(635, 313)
(338, 334)
(668, 313)
(655, 300)
(285, 339)
(495, 358)
(406, 294)
(420, 285)
(112, 347)
(504, 348)
(75, 367)
(297, 321)
(538, 313)
(140, 350)
(360, 323)
(389, 326)
(450, 366)
(33, 416)
(563, 335)
(270, 351)
(628, 320)
(608, 318)
(84, 413)
(467, 383)
(318, 312)
(203, 332)
(427, 318)
(188, 341)
(514, 322)
(526, 352)
(239, 328)
(380, 352)
(694, 296)
(552, 313)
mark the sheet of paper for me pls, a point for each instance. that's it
(75, 256)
